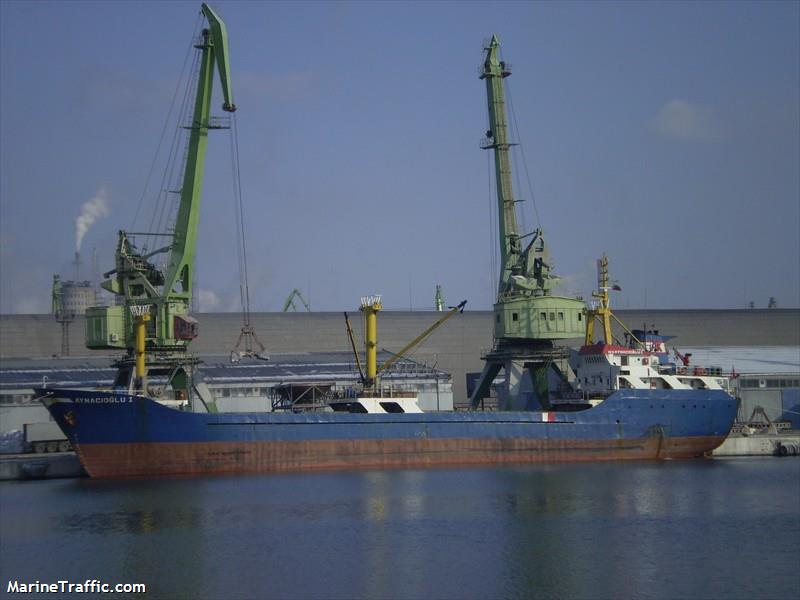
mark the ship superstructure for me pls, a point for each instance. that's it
(608, 365)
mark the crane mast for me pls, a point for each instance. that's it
(494, 71)
(147, 293)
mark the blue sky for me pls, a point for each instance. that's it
(664, 134)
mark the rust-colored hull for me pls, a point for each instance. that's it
(196, 458)
(122, 435)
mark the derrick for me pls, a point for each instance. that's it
(528, 316)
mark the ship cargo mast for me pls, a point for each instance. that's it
(528, 317)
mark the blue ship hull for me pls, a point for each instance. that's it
(121, 435)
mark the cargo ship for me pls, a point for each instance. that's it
(622, 403)
(618, 403)
(123, 435)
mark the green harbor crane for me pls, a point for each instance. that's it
(152, 302)
(290, 305)
(528, 316)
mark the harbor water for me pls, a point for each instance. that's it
(721, 528)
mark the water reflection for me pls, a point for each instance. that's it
(132, 521)
(680, 529)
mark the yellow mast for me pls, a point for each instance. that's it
(370, 305)
(603, 310)
(141, 315)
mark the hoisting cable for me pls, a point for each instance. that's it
(247, 336)
(522, 152)
(167, 121)
(171, 182)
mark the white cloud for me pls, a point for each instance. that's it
(683, 121)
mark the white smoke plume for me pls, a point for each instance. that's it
(91, 210)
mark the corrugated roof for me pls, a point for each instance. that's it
(322, 366)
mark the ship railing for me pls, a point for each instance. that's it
(698, 371)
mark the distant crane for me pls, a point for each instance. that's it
(289, 304)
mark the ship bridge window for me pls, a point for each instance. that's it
(392, 407)
(543, 316)
(624, 361)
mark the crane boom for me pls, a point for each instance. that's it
(421, 337)
(214, 47)
(494, 71)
